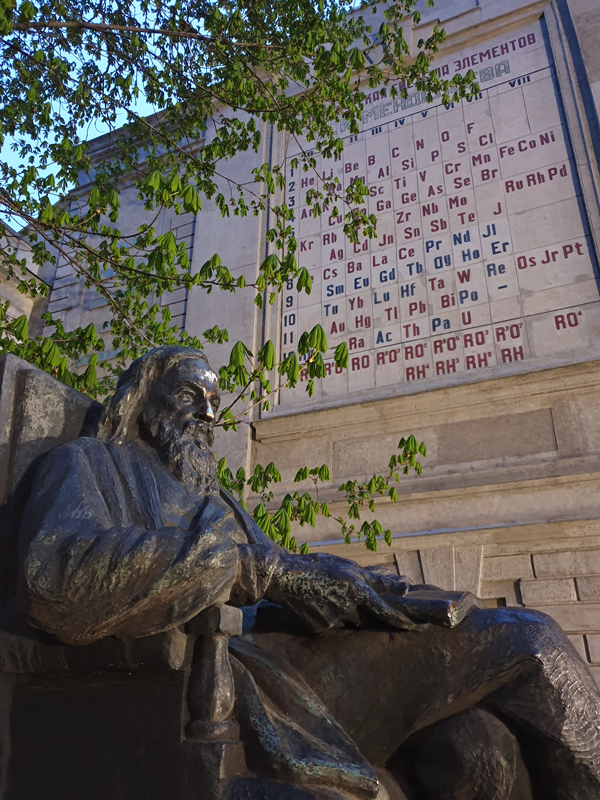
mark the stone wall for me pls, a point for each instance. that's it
(508, 505)
(524, 449)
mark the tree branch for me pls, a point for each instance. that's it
(103, 27)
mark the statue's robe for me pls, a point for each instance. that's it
(112, 545)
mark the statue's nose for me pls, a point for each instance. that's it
(209, 412)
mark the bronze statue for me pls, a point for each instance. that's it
(127, 534)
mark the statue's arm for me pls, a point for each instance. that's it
(324, 591)
(90, 567)
(90, 570)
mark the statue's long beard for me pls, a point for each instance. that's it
(186, 454)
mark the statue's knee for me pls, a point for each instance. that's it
(525, 631)
(539, 632)
(471, 754)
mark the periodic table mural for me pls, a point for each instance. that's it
(482, 256)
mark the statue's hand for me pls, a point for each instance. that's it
(327, 591)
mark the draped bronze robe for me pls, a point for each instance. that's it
(112, 545)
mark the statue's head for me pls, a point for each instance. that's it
(168, 399)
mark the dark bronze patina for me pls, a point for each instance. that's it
(341, 674)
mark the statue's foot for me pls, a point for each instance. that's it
(471, 756)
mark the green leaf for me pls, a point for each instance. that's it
(341, 355)
(153, 180)
(357, 59)
(270, 266)
(324, 473)
(284, 524)
(266, 355)
(89, 377)
(317, 339)
(304, 281)
(20, 327)
(91, 335)
(272, 472)
(47, 213)
(191, 199)
(323, 342)
(238, 355)
(291, 368)
(27, 12)
(301, 475)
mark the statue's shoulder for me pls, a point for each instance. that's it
(83, 444)
(84, 448)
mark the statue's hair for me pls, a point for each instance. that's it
(119, 417)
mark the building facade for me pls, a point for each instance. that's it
(472, 320)
(22, 304)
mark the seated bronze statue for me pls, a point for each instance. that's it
(127, 534)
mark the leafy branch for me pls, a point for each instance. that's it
(296, 66)
(304, 508)
(181, 90)
(248, 377)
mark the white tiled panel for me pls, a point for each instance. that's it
(481, 256)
